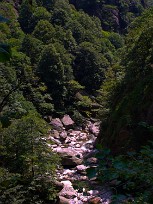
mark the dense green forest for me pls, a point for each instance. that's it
(87, 58)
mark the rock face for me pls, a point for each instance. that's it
(75, 146)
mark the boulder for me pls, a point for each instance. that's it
(77, 145)
(63, 200)
(67, 183)
(74, 133)
(92, 160)
(63, 135)
(56, 141)
(83, 136)
(94, 129)
(95, 200)
(56, 123)
(69, 157)
(58, 185)
(67, 121)
(69, 194)
(68, 191)
(55, 134)
(93, 192)
(81, 168)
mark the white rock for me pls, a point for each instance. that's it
(81, 168)
(93, 192)
(54, 146)
(63, 200)
(56, 123)
(67, 183)
(67, 121)
(77, 145)
(54, 140)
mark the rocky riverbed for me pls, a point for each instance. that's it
(75, 145)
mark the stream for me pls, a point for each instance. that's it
(75, 145)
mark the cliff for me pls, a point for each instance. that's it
(130, 121)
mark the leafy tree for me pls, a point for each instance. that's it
(60, 17)
(131, 99)
(5, 52)
(25, 16)
(8, 84)
(129, 175)
(77, 30)
(114, 15)
(32, 47)
(26, 152)
(48, 4)
(44, 31)
(66, 38)
(28, 164)
(89, 67)
(55, 69)
(40, 13)
(116, 40)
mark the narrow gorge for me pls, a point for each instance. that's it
(76, 146)
(76, 101)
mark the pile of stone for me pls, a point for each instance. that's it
(75, 145)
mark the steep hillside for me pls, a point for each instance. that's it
(115, 15)
(129, 123)
(58, 58)
(53, 58)
(59, 50)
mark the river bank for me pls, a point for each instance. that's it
(75, 144)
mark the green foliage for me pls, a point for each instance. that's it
(45, 3)
(114, 76)
(8, 84)
(55, 68)
(17, 189)
(66, 38)
(44, 31)
(116, 40)
(40, 13)
(53, 58)
(29, 161)
(131, 98)
(5, 52)
(55, 22)
(60, 17)
(130, 175)
(84, 103)
(89, 67)
(114, 15)
(25, 149)
(25, 16)
(32, 47)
